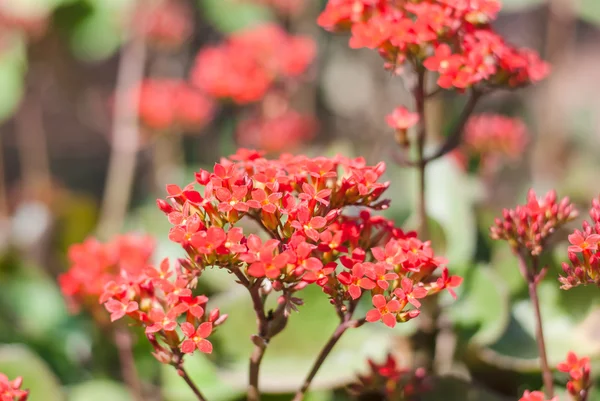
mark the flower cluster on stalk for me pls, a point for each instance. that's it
(10, 390)
(527, 227)
(300, 202)
(584, 266)
(452, 38)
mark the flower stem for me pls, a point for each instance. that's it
(125, 139)
(326, 350)
(531, 275)
(181, 371)
(419, 95)
(539, 336)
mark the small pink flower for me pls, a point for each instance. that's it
(401, 118)
(196, 338)
(384, 311)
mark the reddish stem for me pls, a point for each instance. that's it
(181, 371)
(532, 275)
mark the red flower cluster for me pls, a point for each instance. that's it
(94, 264)
(170, 104)
(118, 274)
(492, 137)
(275, 126)
(299, 203)
(158, 298)
(527, 227)
(248, 64)
(579, 375)
(391, 381)
(167, 24)
(450, 37)
(583, 253)
(10, 390)
(535, 396)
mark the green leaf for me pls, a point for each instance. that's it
(589, 10)
(291, 354)
(230, 15)
(449, 199)
(203, 372)
(18, 360)
(563, 332)
(13, 67)
(34, 318)
(482, 308)
(99, 34)
(99, 390)
(455, 389)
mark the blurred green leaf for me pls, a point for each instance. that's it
(483, 305)
(18, 360)
(230, 16)
(36, 303)
(13, 66)
(204, 374)
(504, 264)
(589, 10)
(564, 332)
(99, 390)
(450, 198)
(291, 353)
(455, 389)
(99, 33)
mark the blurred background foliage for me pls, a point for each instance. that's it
(58, 65)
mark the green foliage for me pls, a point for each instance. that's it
(228, 15)
(19, 360)
(99, 390)
(13, 66)
(291, 353)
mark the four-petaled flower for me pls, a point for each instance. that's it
(196, 338)
(384, 310)
(119, 309)
(581, 242)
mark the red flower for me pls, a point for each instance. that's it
(402, 119)
(410, 293)
(355, 280)
(196, 338)
(581, 242)
(119, 309)
(384, 311)
(10, 389)
(535, 396)
(166, 322)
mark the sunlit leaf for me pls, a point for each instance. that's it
(291, 353)
(99, 390)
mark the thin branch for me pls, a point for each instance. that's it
(181, 371)
(4, 210)
(325, 351)
(454, 139)
(32, 145)
(419, 95)
(260, 340)
(125, 139)
(122, 340)
(530, 273)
